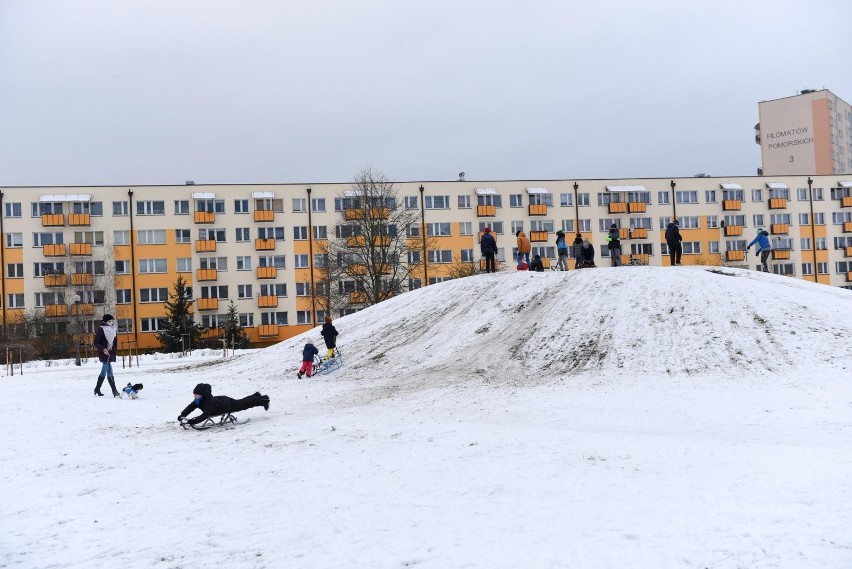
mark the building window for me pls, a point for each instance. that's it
(277, 261)
(123, 296)
(152, 324)
(153, 294)
(441, 256)
(210, 205)
(663, 198)
(15, 270)
(152, 266)
(42, 239)
(122, 267)
(120, 209)
(181, 207)
(217, 263)
(438, 230)
(757, 195)
(150, 237)
(437, 202)
(275, 289)
(300, 233)
(303, 317)
(220, 292)
(686, 197)
(496, 226)
(151, 208)
(465, 228)
(516, 200)
(212, 234)
(414, 258)
(691, 247)
(15, 300)
(276, 233)
(242, 234)
(13, 209)
(243, 263)
(244, 291)
(301, 262)
(14, 240)
(273, 318)
(42, 269)
(241, 206)
(320, 232)
(318, 205)
(184, 264)
(303, 289)
(246, 319)
(467, 256)
(300, 205)
(566, 200)
(464, 202)
(183, 236)
(710, 196)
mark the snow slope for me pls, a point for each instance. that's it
(630, 417)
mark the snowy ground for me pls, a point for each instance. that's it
(637, 417)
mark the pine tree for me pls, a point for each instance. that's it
(231, 330)
(179, 322)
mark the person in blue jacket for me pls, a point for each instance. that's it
(308, 354)
(763, 247)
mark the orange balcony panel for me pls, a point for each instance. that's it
(205, 246)
(53, 220)
(357, 297)
(55, 280)
(267, 272)
(847, 227)
(734, 255)
(80, 248)
(264, 244)
(79, 219)
(205, 274)
(846, 202)
(55, 250)
(538, 236)
(264, 215)
(777, 203)
(780, 254)
(624, 233)
(381, 241)
(205, 217)
(379, 213)
(267, 330)
(779, 228)
(208, 304)
(849, 277)
(617, 207)
(545, 261)
(82, 279)
(353, 213)
(55, 310)
(538, 209)
(486, 210)
(267, 301)
(639, 233)
(355, 241)
(733, 230)
(482, 264)
(732, 205)
(848, 252)
(637, 207)
(83, 309)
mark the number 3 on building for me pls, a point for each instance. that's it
(792, 159)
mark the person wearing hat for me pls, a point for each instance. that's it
(106, 347)
(763, 247)
(562, 250)
(524, 249)
(488, 246)
(578, 251)
(613, 239)
(587, 255)
(673, 239)
(210, 406)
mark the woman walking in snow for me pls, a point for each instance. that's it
(106, 345)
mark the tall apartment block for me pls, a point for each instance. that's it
(82, 251)
(807, 134)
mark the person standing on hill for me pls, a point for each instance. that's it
(673, 239)
(329, 334)
(578, 251)
(763, 247)
(562, 251)
(524, 249)
(614, 243)
(106, 345)
(488, 246)
(308, 353)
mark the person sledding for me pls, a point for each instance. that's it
(211, 406)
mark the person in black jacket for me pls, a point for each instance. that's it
(220, 405)
(329, 334)
(673, 239)
(537, 264)
(488, 246)
(106, 346)
(587, 255)
(578, 251)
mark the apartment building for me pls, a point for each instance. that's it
(806, 134)
(82, 251)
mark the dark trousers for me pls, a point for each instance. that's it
(245, 403)
(675, 252)
(490, 265)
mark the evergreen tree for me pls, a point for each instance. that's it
(231, 330)
(179, 321)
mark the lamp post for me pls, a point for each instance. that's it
(813, 228)
(576, 208)
(77, 317)
(674, 200)
(311, 260)
(423, 235)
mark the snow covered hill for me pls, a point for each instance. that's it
(634, 417)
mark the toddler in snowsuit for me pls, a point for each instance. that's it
(308, 354)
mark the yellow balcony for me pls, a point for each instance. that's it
(55, 250)
(264, 244)
(846, 202)
(83, 309)
(55, 280)
(56, 311)
(486, 210)
(357, 297)
(264, 215)
(267, 330)
(780, 254)
(205, 274)
(538, 209)
(208, 304)
(353, 213)
(848, 252)
(639, 233)
(82, 279)
(779, 228)
(381, 241)
(79, 219)
(205, 217)
(733, 230)
(53, 220)
(849, 277)
(538, 236)
(734, 255)
(732, 205)
(545, 262)
(618, 207)
(205, 246)
(379, 213)
(267, 272)
(847, 227)
(777, 203)
(267, 301)
(637, 207)
(356, 241)
(624, 233)
(80, 248)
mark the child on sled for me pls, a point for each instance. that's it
(220, 405)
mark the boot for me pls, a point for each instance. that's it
(115, 392)
(98, 386)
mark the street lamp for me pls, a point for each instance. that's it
(674, 200)
(423, 235)
(813, 229)
(576, 208)
(77, 315)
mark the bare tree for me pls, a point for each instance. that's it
(460, 269)
(368, 255)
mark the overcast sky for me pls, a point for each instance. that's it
(248, 91)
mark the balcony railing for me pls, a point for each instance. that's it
(205, 246)
(208, 304)
(777, 203)
(267, 272)
(734, 255)
(55, 280)
(264, 215)
(82, 279)
(779, 228)
(267, 301)
(264, 244)
(486, 210)
(54, 250)
(267, 330)
(732, 205)
(847, 252)
(847, 227)
(846, 202)
(79, 219)
(53, 220)
(206, 274)
(733, 230)
(80, 248)
(56, 310)
(638, 233)
(617, 207)
(539, 236)
(205, 217)
(780, 254)
(538, 209)
(83, 309)
(637, 207)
